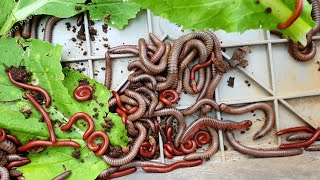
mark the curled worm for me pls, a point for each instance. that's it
(48, 30)
(3, 135)
(189, 147)
(4, 173)
(83, 92)
(201, 138)
(194, 69)
(92, 146)
(169, 97)
(13, 139)
(295, 15)
(146, 153)
(295, 129)
(171, 167)
(142, 105)
(119, 103)
(306, 143)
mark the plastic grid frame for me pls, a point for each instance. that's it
(272, 94)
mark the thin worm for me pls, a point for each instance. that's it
(194, 69)
(202, 137)
(44, 115)
(260, 152)
(300, 56)
(267, 109)
(26, 29)
(161, 47)
(83, 92)
(299, 136)
(119, 103)
(123, 115)
(186, 81)
(17, 163)
(3, 135)
(143, 77)
(199, 104)
(212, 149)
(124, 99)
(14, 157)
(150, 122)
(142, 105)
(214, 123)
(315, 15)
(295, 129)
(169, 97)
(170, 147)
(189, 147)
(34, 26)
(8, 147)
(152, 95)
(108, 74)
(36, 143)
(14, 173)
(306, 143)
(313, 148)
(133, 152)
(103, 147)
(76, 117)
(171, 167)
(13, 139)
(123, 172)
(4, 173)
(146, 153)
(48, 30)
(131, 129)
(63, 175)
(168, 154)
(131, 49)
(211, 89)
(80, 19)
(31, 88)
(295, 15)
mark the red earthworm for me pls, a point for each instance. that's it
(142, 77)
(36, 143)
(152, 95)
(17, 163)
(123, 115)
(169, 97)
(62, 176)
(295, 15)
(144, 152)
(188, 150)
(44, 115)
(180, 118)
(31, 88)
(142, 105)
(260, 152)
(196, 106)
(80, 19)
(194, 69)
(167, 154)
(124, 99)
(14, 157)
(306, 143)
(215, 123)
(150, 122)
(76, 117)
(48, 30)
(300, 56)
(295, 129)
(105, 173)
(315, 15)
(4, 173)
(123, 172)
(8, 147)
(313, 148)
(131, 49)
(202, 137)
(83, 92)
(13, 139)
(267, 109)
(34, 26)
(108, 74)
(131, 129)
(171, 167)
(156, 125)
(212, 149)
(15, 173)
(133, 152)
(3, 135)
(177, 152)
(299, 136)
(168, 133)
(161, 47)
(26, 29)
(186, 81)
(91, 144)
(119, 103)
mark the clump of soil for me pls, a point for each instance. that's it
(26, 111)
(38, 97)
(76, 154)
(231, 81)
(81, 33)
(115, 151)
(93, 33)
(105, 28)
(107, 125)
(238, 56)
(83, 81)
(20, 74)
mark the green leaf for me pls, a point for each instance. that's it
(43, 60)
(233, 16)
(14, 11)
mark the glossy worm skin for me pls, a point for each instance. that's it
(180, 118)
(143, 77)
(194, 69)
(17, 163)
(83, 92)
(123, 115)
(34, 26)
(152, 95)
(35, 143)
(199, 104)
(8, 147)
(295, 15)
(3, 135)
(208, 76)
(170, 147)
(202, 137)
(123, 173)
(76, 117)
(108, 74)
(146, 153)
(186, 81)
(295, 129)
(171, 167)
(131, 49)
(103, 147)
(26, 30)
(63, 175)
(15, 173)
(124, 99)
(260, 152)
(48, 30)
(31, 88)
(267, 109)
(313, 148)
(315, 13)
(4, 173)
(14, 157)
(150, 122)
(13, 139)
(299, 136)
(169, 97)
(189, 147)
(212, 149)
(44, 115)
(142, 105)
(214, 123)
(132, 153)
(131, 129)
(119, 103)
(306, 143)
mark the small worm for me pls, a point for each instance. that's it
(36, 143)
(83, 92)
(76, 117)
(152, 95)
(63, 175)
(212, 88)
(142, 105)
(13, 139)
(171, 167)
(131, 49)
(131, 129)
(15, 173)
(3, 135)
(119, 103)
(17, 163)
(295, 15)
(189, 147)
(170, 147)
(202, 137)
(146, 153)
(44, 115)
(31, 88)
(212, 149)
(267, 109)
(123, 115)
(108, 74)
(315, 15)
(300, 56)
(215, 123)
(313, 148)
(260, 152)
(186, 81)
(167, 153)
(4, 173)
(199, 104)
(91, 144)
(161, 47)
(143, 77)
(124, 99)
(169, 97)
(26, 29)
(123, 172)
(180, 118)
(14, 157)
(156, 124)
(299, 136)
(150, 122)
(306, 143)
(8, 147)
(34, 26)
(295, 129)
(80, 19)
(194, 69)
(132, 153)
(48, 30)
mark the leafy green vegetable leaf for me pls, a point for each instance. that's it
(233, 16)
(43, 60)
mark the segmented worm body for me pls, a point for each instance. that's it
(161, 47)
(14, 157)
(13, 139)
(8, 147)
(145, 150)
(299, 136)
(131, 129)
(36, 143)
(3, 135)
(171, 167)
(4, 173)
(26, 30)
(108, 74)
(101, 148)
(125, 99)
(48, 30)
(195, 107)
(14, 173)
(153, 97)
(142, 105)
(143, 77)
(295, 129)
(123, 172)
(83, 92)
(123, 115)
(63, 175)
(313, 148)
(17, 163)
(169, 97)
(295, 15)
(34, 26)
(306, 143)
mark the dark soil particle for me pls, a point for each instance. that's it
(95, 109)
(85, 53)
(26, 111)
(39, 97)
(231, 81)
(68, 24)
(91, 22)
(83, 81)
(238, 56)
(225, 148)
(115, 151)
(242, 132)
(107, 125)
(76, 154)
(73, 39)
(78, 8)
(20, 74)
(105, 28)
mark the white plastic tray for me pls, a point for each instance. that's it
(291, 87)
